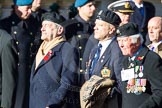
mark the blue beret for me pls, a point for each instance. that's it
(79, 3)
(22, 2)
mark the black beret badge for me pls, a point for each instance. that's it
(105, 72)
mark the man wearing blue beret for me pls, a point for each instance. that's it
(78, 29)
(22, 26)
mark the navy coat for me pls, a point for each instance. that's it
(111, 59)
(142, 21)
(77, 32)
(54, 82)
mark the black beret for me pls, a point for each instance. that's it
(53, 17)
(121, 6)
(128, 29)
(110, 17)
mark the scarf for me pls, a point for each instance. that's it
(46, 47)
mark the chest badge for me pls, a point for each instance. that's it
(105, 72)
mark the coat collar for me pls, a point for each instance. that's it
(48, 57)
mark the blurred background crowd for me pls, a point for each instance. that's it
(66, 6)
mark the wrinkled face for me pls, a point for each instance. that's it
(125, 17)
(155, 29)
(87, 10)
(23, 11)
(101, 30)
(126, 45)
(49, 30)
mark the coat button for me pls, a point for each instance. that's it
(81, 59)
(18, 53)
(17, 42)
(31, 33)
(80, 47)
(31, 44)
(79, 36)
(78, 25)
(18, 64)
(81, 70)
(13, 22)
(15, 32)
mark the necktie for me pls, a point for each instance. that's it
(141, 11)
(95, 59)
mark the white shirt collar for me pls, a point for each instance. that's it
(138, 5)
(105, 44)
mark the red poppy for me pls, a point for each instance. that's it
(48, 55)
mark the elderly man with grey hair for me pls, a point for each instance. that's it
(142, 70)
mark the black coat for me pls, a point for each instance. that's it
(8, 69)
(77, 32)
(152, 72)
(27, 41)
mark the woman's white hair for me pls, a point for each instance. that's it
(135, 37)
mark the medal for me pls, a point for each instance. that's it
(136, 69)
(131, 82)
(143, 84)
(140, 89)
(135, 75)
(143, 89)
(138, 82)
(105, 72)
(140, 74)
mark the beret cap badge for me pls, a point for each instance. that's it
(118, 32)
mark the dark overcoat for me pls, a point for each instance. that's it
(54, 82)
(24, 32)
(111, 59)
(8, 69)
(142, 21)
(152, 97)
(77, 32)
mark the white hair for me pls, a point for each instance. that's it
(135, 37)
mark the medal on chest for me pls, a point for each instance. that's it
(137, 83)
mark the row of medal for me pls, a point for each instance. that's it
(137, 85)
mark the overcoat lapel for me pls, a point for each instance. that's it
(103, 60)
(44, 61)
